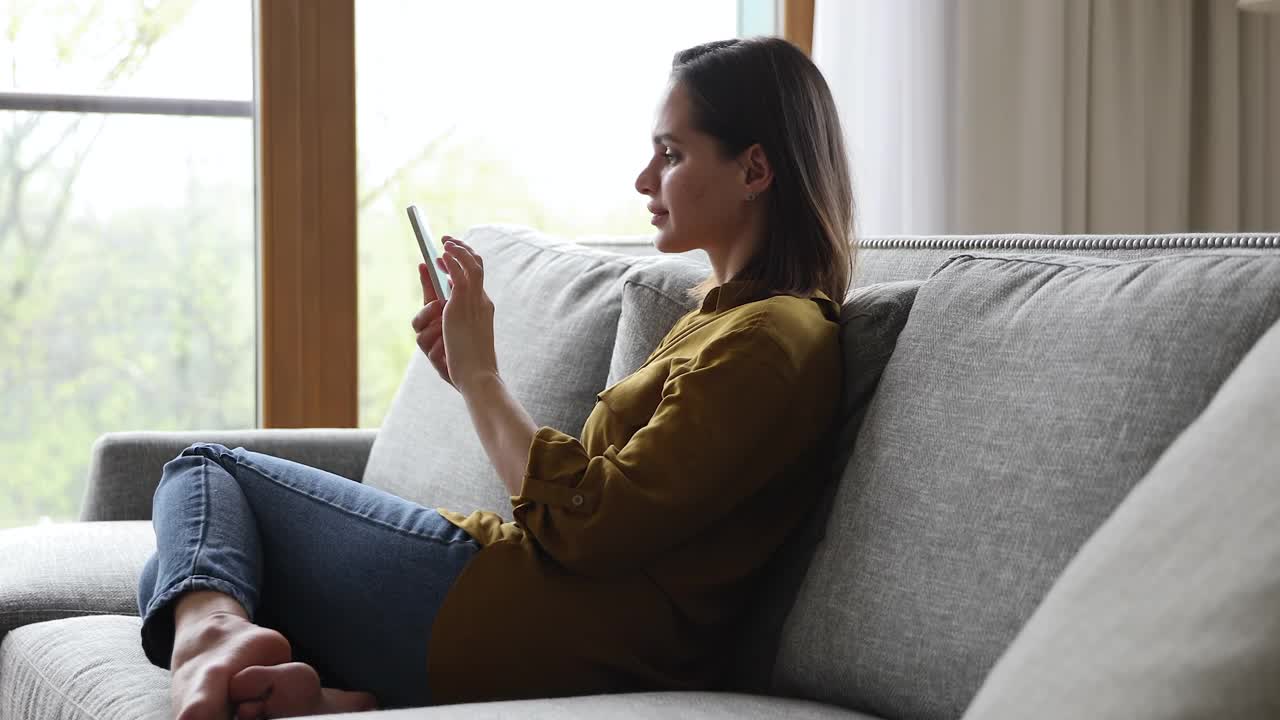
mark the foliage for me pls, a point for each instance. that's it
(462, 183)
(144, 318)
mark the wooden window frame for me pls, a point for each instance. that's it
(305, 145)
(797, 23)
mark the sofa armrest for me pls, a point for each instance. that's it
(125, 467)
(67, 569)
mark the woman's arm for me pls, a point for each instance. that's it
(730, 420)
(504, 427)
(457, 337)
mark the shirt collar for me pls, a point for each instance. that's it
(729, 295)
(830, 308)
(739, 292)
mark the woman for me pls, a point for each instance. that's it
(635, 548)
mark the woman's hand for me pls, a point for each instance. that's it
(457, 334)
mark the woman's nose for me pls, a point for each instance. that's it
(644, 183)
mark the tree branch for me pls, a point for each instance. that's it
(404, 169)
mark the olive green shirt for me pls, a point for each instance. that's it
(634, 548)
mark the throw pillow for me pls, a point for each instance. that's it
(1169, 612)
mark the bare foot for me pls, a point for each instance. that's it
(289, 690)
(207, 653)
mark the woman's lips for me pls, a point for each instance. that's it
(658, 218)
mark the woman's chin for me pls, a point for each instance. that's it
(666, 244)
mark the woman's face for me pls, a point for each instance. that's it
(697, 198)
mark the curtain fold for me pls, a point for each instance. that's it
(1107, 116)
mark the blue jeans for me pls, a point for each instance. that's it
(353, 576)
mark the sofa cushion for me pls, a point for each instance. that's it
(1025, 397)
(63, 570)
(83, 668)
(1170, 610)
(630, 706)
(653, 299)
(870, 321)
(93, 668)
(556, 313)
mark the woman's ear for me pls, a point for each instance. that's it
(757, 173)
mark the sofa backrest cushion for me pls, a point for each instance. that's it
(653, 299)
(1170, 610)
(556, 312)
(1025, 397)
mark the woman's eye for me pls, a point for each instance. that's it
(669, 156)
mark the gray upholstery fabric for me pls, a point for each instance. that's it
(93, 668)
(653, 299)
(85, 668)
(124, 468)
(870, 321)
(68, 569)
(629, 706)
(557, 307)
(1024, 399)
(1171, 610)
(913, 257)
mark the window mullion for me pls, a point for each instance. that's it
(307, 212)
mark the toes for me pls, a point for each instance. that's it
(295, 690)
(251, 710)
(348, 700)
(251, 683)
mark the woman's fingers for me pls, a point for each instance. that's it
(434, 326)
(428, 322)
(440, 361)
(431, 330)
(429, 338)
(470, 261)
(468, 248)
(457, 273)
(431, 342)
(428, 314)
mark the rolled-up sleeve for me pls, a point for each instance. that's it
(719, 434)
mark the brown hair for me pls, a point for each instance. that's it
(766, 90)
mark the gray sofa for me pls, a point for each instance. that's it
(1055, 488)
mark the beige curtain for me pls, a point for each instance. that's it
(1056, 116)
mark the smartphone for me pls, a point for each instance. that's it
(432, 249)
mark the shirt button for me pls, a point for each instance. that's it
(577, 499)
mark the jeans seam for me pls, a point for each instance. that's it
(204, 516)
(417, 535)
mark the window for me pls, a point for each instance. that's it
(537, 114)
(127, 255)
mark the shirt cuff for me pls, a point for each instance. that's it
(554, 473)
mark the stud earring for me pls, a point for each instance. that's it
(751, 196)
